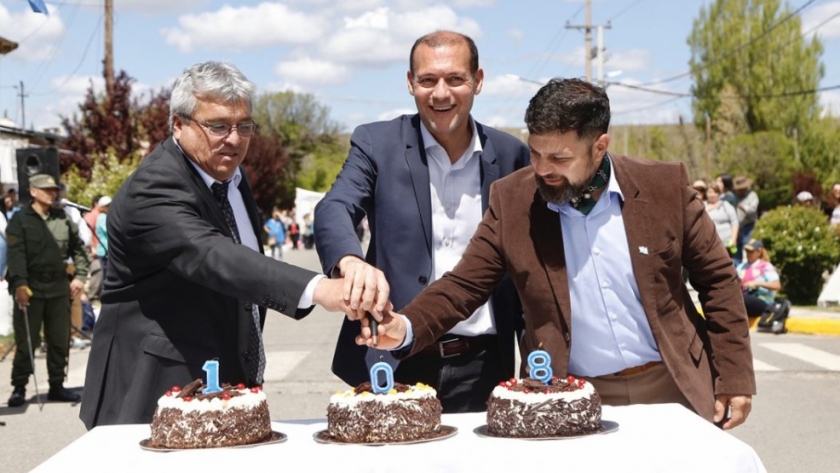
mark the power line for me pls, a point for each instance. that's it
(738, 48)
(78, 66)
(624, 10)
(658, 104)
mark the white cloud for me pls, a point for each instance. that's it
(496, 121)
(311, 71)
(37, 35)
(509, 86)
(394, 113)
(629, 61)
(347, 6)
(284, 86)
(813, 18)
(231, 28)
(152, 7)
(385, 36)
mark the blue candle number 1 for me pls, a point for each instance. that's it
(374, 377)
(211, 367)
(540, 370)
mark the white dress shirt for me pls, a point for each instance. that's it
(456, 213)
(610, 331)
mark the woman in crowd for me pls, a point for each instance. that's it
(700, 187)
(831, 206)
(724, 216)
(759, 279)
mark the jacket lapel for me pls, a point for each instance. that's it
(489, 169)
(549, 243)
(418, 166)
(637, 215)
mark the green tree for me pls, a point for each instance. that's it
(106, 177)
(802, 247)
(304, 130)
(751, 54)
(766, 157)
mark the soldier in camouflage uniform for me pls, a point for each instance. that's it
(41, 239)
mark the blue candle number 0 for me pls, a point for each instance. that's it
(211, 367)
(374, 377)
(540, 370)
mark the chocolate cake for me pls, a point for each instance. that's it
(530, 408)
(405, 413)
(186, 418)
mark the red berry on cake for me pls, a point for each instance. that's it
(255, 389)
(188, 399)
(240, 386)
(176, 389)
(226, 396)
(169, 393)
(570, 379)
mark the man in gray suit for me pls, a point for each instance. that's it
(187, 279)
(423, 182)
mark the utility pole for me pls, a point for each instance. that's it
(109, 46)
(22, 107)
(587, 30)
(601, 54)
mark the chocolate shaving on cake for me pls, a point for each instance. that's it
(366, 387)
(556, 386)
(191, 389)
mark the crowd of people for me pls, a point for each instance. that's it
(476, 240)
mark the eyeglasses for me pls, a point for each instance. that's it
(223, 129)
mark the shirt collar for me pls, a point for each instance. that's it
(612, 187)
(429, 141)
(208, 180)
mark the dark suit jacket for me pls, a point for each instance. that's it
(522, 238)
(176, 290)
(386, 177)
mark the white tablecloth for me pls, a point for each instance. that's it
(660, 438)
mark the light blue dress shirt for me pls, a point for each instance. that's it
(610, 331)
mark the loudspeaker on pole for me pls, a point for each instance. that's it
(31, 161)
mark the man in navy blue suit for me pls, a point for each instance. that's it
(423, 181)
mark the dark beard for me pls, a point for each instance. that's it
(558, 195)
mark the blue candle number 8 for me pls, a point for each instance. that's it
(211, 367)
(540, 370)
(374, 377)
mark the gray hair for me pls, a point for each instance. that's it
(215, 80)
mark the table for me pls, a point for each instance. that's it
(650, 438)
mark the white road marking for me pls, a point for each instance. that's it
(278, 364)
(807, 354)
(759, 365)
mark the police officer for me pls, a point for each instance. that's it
(41, 239)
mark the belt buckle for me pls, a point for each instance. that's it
(441, 350)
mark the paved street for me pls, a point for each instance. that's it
(795, 425)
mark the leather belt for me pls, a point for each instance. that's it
(459, 345)
(638, 369)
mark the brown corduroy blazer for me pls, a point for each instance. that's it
(667, 229)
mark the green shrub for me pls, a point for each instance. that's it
(801, 246)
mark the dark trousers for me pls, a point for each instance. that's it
(54, 314)
(463, 382)
(755, 306)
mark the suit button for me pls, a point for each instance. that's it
(283, 306)
(566, 337)
(422, 280)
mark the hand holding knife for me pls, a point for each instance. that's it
(374, 328)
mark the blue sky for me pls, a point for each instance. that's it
(353, 54)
